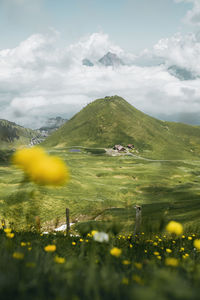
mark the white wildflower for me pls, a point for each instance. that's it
(101, 237)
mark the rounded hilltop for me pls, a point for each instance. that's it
(113, 121)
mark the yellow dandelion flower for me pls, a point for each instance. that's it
(131, 246)
(182, 249)
(29, 248)
(137, 279)
(155, 244)
(93, 232)
(73, 243)
(138, 266)
(40, 167)
(7, 230)
(189, 238)
(126, 262)
(81, 240)
(159, 257)
(50, 248)
(10, 235)
(59, 260)
(23, 158)
(48, 171)
(183, 236)
(168, 250)
(170, 261)
(174, 227)
(145, 251)
(197, 244)
(23, 244)
(125, 281)
(18, 255)
(156, 253)
(116, 252)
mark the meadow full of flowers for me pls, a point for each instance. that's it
(100, 265)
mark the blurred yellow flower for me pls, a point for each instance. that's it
(116, 252)
(18, 255)
(7, 230)
(40, 167)
(156, 253)
(197, 244)
(125, 280)
(50, 248)
(10, 235)
(126, 262)
(73, 243)
(48, 171)
(174, 227)
(168, 250)
(138, 266)
(23, 244)
(189, 238)
(25, 157)
(137, 279)
(170, 261)
(59, 260)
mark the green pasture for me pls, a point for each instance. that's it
(105, 189)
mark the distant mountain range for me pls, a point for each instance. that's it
(109, 59)
(52, 124)
(181, 73)
(13, 135)
(112, 59)
(112, 120)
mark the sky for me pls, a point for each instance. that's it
(43, 43)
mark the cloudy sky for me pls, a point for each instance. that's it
(43, 43)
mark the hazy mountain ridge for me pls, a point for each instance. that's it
(12, 135)
(109, 59)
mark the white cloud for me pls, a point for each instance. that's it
(193, 16)
(183, 51)
(38, 79)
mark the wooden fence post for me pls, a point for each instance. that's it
(38, 224)
(138, 219)
(67, 221)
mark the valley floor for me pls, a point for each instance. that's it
(105, 189)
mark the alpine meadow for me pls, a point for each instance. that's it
(99, 150)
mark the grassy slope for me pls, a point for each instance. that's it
(113, 120)
(106, 188)
(13, 135)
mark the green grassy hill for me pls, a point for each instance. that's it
(112, 120)
(13, 135)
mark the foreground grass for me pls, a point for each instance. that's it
(81, 268)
